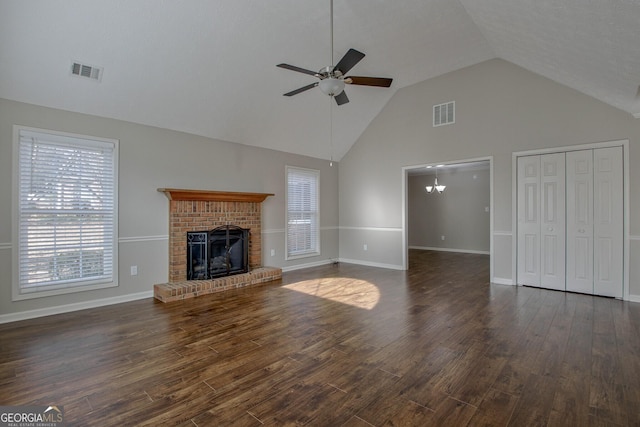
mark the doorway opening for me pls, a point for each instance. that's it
(457, 219)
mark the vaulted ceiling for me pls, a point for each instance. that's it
(209, 67)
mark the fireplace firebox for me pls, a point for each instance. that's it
(220, 252)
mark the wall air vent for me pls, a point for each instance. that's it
(88, 71)
(444, 114)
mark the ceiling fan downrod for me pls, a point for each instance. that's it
(331, 33)
(333, 78)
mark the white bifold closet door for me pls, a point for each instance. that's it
(541, 221)
(595, 221)
(529, 221)
(570, 221)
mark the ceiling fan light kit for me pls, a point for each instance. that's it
(331, 86)
(333, 78)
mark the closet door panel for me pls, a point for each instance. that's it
(528, 267)
(552, 227)
(608, 221)
(579, 221)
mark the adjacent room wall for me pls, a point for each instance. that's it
(460, 213)
(500, 109)
(151, 158)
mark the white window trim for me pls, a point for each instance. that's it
(17, 295)
(317, 251)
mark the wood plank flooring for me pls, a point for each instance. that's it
(338, 345)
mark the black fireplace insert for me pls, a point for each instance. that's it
(220, 252)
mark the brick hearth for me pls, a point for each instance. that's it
(194, 210)
(169, 292)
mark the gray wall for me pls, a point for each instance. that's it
(501, 108)
(152, 158)
(458, 213)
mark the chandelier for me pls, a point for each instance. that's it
(435, 187)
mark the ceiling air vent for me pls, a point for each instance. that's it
(444, 114)
(89, 71)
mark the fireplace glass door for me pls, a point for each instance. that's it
(220, 252)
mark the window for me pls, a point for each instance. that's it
(66, 213)
(303, 223)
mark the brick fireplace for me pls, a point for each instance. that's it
(195, 210)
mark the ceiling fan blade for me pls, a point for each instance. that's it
(298, 69)
(302, 89)
(349, 60)
(341, 98)
(368, 81)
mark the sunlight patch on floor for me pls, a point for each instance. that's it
(354, 292)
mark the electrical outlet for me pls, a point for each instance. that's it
(365, 247)
(273, 252)
(134, 270)
(442, 237)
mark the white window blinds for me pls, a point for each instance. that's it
(303, 224)
(67, 211)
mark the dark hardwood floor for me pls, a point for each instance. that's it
(338, 345)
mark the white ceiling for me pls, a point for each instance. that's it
(208, 67)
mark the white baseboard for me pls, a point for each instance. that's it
(307, 265)
(371, 264)
(347, 261)
(41, 312)
(634, 298)
(462, 251)
(502, 281)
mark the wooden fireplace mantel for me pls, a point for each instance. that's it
(213, 196)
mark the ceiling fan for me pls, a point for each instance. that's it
(333, 78)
